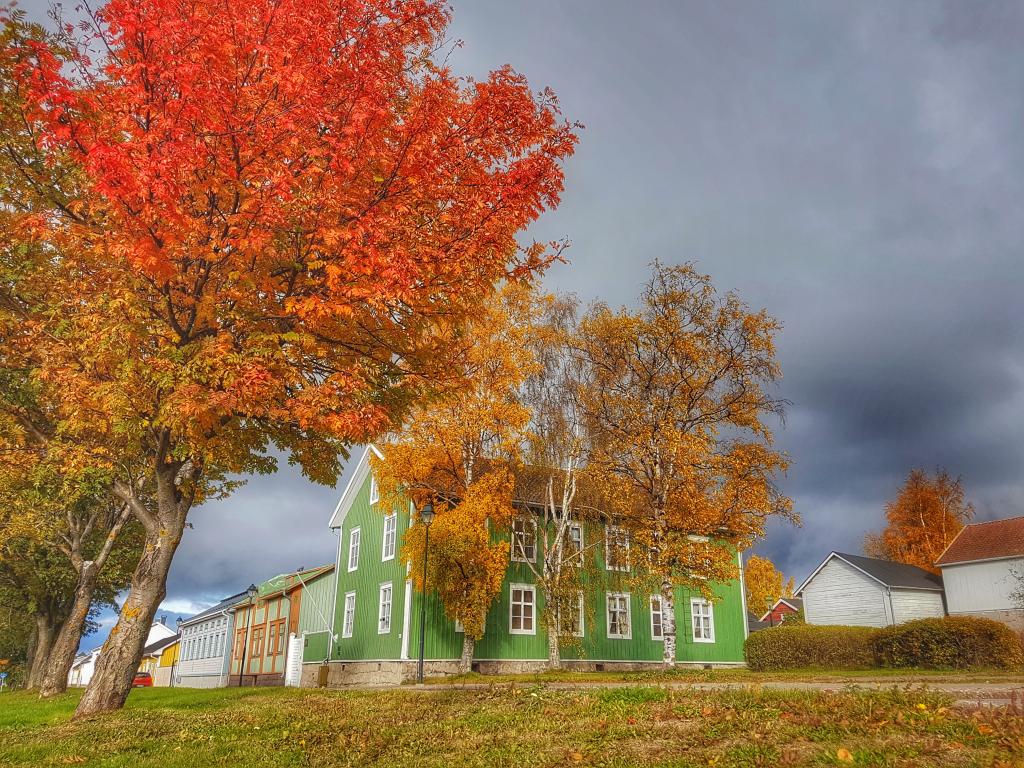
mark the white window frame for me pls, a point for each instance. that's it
(533, 608)
(577, 557)
(660, 611)
(355, 538)
(580, 603)
(349, 615)
(608, 548)
(699, 602)
(608, 617)
(389, 537)
(516, 556)
(374, 490)
(384, 619)
(459, 629)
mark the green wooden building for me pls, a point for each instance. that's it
(375, 627)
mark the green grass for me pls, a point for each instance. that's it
(513, 725)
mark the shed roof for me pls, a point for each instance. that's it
(993, 540)
(886, 572)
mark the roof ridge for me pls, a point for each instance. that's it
(1000, 520)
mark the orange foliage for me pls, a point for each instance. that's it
(922, 520)
(764, 584)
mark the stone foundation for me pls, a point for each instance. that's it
(341, 674)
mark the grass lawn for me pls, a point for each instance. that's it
(508, 726)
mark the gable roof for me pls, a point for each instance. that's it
(796, 603)
(223, 605)
(885, 572)
(359, 473)
(159, 645)
(994, 540)
(286, 582)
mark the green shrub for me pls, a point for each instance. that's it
(796, 646)
(952, 642)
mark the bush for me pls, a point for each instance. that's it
(953, 642)
(796, 646)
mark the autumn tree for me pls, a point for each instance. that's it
(460, 451)
(284, 209)
(926, 515)
(678, 399)
(764, 584)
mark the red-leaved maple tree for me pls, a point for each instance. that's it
(283, 211)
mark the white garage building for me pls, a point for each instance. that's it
(863, 591)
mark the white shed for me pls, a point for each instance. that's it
(866, 592)
(980, 568)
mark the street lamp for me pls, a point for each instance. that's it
(251, 592)
(426, 517)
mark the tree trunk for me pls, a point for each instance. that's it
(668, 624)
(466, 659)
(119, 660)
(62, 654)
(42, 643)
(554, 649)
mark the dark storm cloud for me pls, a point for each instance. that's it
(855, 168)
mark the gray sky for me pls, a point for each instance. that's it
(855, 168)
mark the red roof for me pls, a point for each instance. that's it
(986, 541)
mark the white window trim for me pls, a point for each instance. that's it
(393, 519)
(629, 616)
(693, 622)
(354, 535)
(577, 558)
(389, 586)
(608, 548)
(374, 490)
(459, 629)
(580, 603)
(661, 612)
(515, 556)
(346, 627)
(533, 606)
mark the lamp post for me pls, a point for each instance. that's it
(427, 517)
(251, 592)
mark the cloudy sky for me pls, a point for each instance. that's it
(855, 168)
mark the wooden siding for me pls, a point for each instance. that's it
(841, 594)
(984, 586)
(910, 604)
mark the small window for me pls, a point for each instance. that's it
(572, 622)
(459, 629)
(574, 547)
(349, 621)
(384, 610)
(616, 548)
(524, 540)
(657, 618)
(353, 549)
(522, 610)
(390, 534)
(619, 624)
(374, 490)
(703, 615)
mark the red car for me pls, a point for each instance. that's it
(142, 680)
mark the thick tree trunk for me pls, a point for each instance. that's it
(554, 644)
(119, 660)
(466, 659)
(668, 624)
(42, 643)
(62, 654)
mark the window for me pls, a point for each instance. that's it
(616, 549)
(282, 634)
(571, 623)
(384, 610)
(521, 610)
(276, 644)
(390, 533)
(524, 540)
(239, 643)
(374, 490)
(256, 647)
(575, 544)
(459, 629)
(353, 549)
(657, 618)
(350, 614)
(703, 616)
(619, 625)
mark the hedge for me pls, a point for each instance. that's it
(796, 646)
(953, 642)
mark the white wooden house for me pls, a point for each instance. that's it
(863, 591)
(980, 568)
(206, 641)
